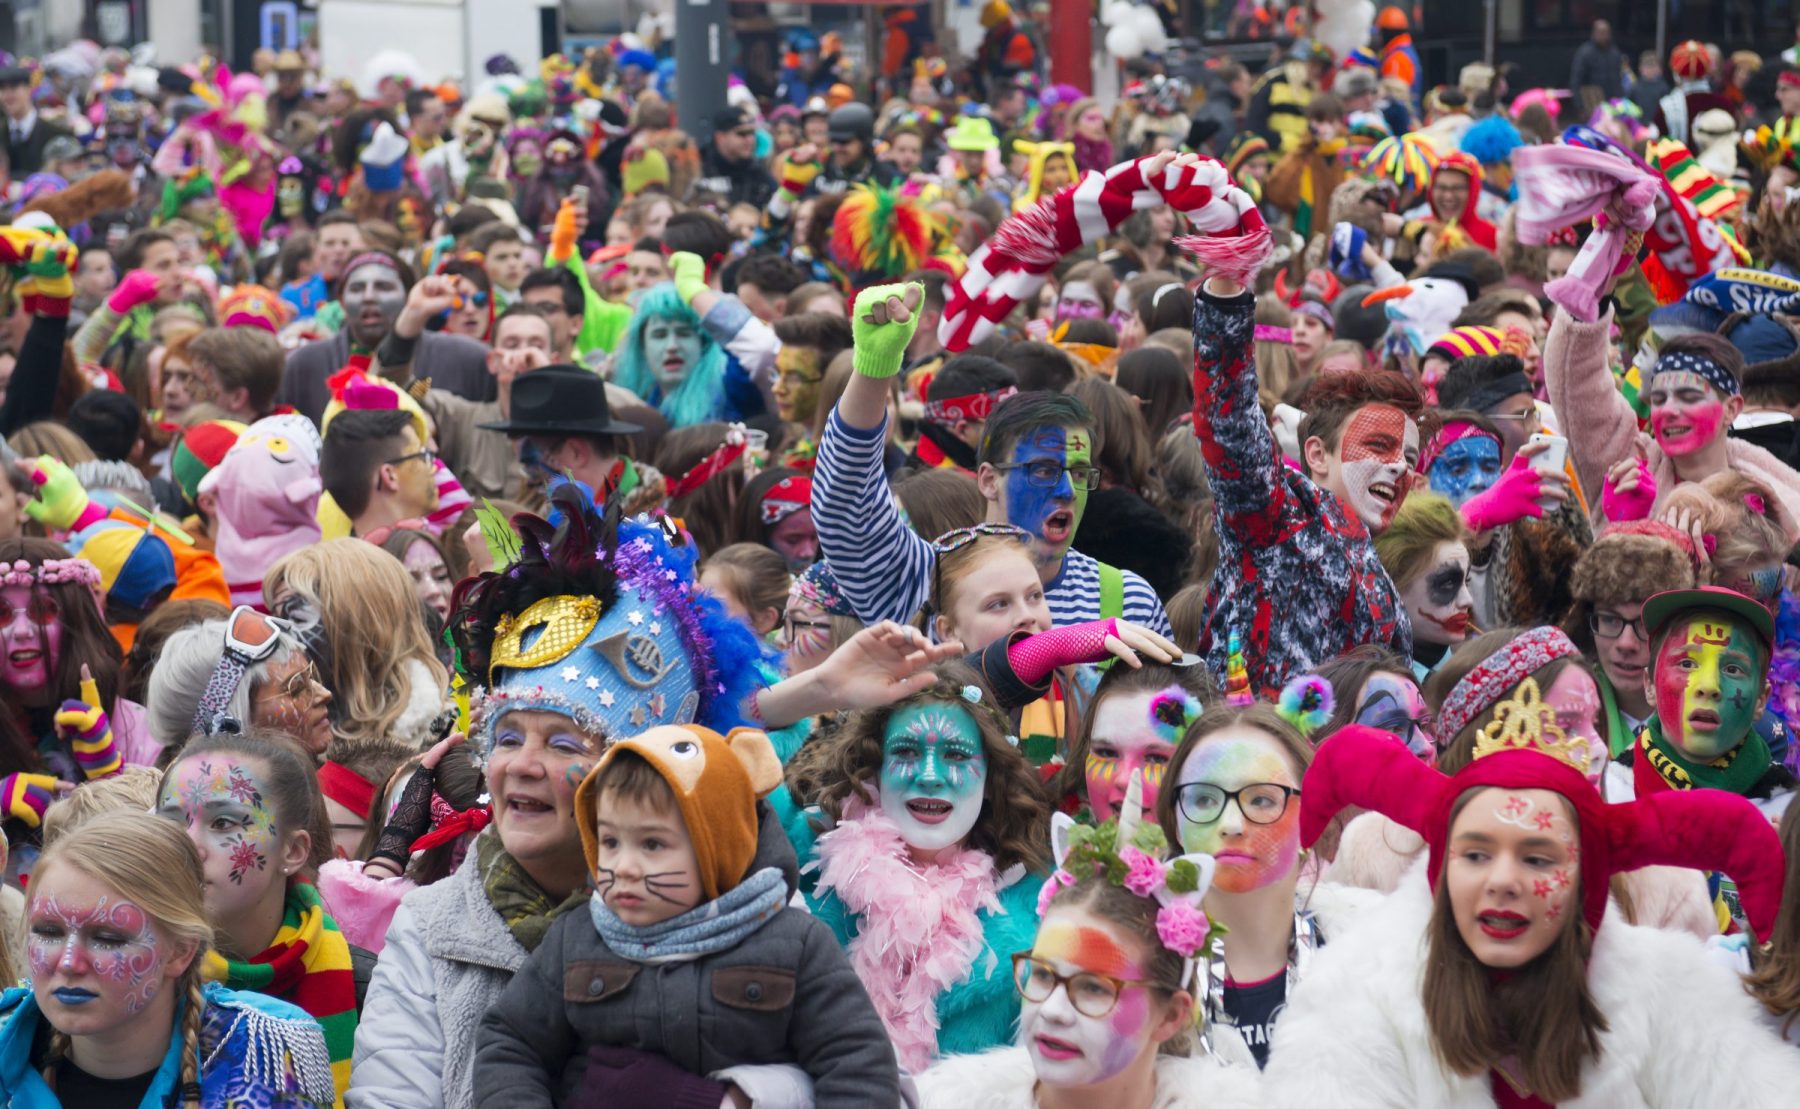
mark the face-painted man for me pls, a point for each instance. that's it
(1370, 467)
(373, 295)
(1694, 397)
(1466, 462)
(1042, 485)
(1708, 682)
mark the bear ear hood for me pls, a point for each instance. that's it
(716, 781)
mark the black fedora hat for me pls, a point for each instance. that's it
(561, 400)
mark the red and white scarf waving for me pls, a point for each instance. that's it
(1231, 238)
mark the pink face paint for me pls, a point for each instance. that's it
(1124, 739)
(1068, 1048)
(102, 956)
(1575, 698)
(1686, 413)
(30, 638)
(1380, 444)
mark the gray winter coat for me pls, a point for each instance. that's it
(786, 994)
(448, 957)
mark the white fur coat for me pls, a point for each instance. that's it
(1003, 1079)
(1683, 1033)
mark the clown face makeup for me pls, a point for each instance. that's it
(1439, 600)
(1379, 448)
(1250, 855)
(933, 770)
(1045, 488)
(1707, 684)
(796, 388)
(1465, 468)
(671, 348)
(222, 802)
(96, 960)
(645, 868)
(30, 639)
(1125, 738)
(1686, 413)
(1068, 1047)
(1079, 300)
(1392, 703)
(1512, 875)
(1575, 697)
(373, 297)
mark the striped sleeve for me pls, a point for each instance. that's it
(1074, 596)
(881, 565)
(1143, 606)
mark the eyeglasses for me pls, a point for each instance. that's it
(1527, 418)
(1610, 625)
(790, 627)
(422, 453)
(1093, 995)
(1260, 802)
(1385, 714)
(1048, 475)
(301, 685)
(42, 609)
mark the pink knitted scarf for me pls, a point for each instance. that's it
(918, 929)
(1560, 186)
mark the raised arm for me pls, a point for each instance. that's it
(1597, 419)
(1242, 461)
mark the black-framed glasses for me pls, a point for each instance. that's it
(1385, 714)
(1048, 475)
(790, 626)
(423, 453)
(1092, 995)
(1260, 802)
(1610, 625)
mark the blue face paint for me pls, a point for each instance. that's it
(1050, 513)
(933, 773)
(1465, 468)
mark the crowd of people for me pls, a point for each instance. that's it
(948, 592)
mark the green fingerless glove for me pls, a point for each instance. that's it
(61, 502)
(881, 347)
(690, 274)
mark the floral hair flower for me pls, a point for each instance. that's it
(1060, 879)
(1143, 873)
(1182, 928)
(51, 571)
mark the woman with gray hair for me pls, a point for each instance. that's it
(247, 671)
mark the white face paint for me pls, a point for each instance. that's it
(933, 774)
(1379, 447)
(1068, 1047)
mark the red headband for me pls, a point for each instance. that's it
(1789, 77)
(707, 468)
(1703, 829)
(974, 406)
(784, 498)
(347, 787)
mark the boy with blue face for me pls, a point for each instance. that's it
(1034, 468)
(1461, 461)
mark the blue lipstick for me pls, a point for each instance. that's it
(71, 995)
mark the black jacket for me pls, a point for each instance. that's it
(745, 182)
(27, 157)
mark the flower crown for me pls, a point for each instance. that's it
(51, 571)
(1129, 853)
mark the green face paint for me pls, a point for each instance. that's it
(933, 773)
(1708, 680)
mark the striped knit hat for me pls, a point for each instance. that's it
(1466, 342)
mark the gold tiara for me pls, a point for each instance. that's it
(1524, 722)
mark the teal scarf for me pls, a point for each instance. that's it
(717, 925)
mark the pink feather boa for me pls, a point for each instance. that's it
(919, 931)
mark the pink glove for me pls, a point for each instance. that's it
(1634, 504)
(1513, 497)
(139, 287)
(1035, 656)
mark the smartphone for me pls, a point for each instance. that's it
(1550, 460)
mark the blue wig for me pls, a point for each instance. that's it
(701, 395)
(1492, 140)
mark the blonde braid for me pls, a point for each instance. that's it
(53, 1057)
(190, 1036)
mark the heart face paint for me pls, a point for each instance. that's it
(1686, 413)
(1069, 1048)
(1575, 697)
(1050, 512)
(1392, 703)
(95, 958)
(1250, 856)
(1513, 874)
(1124, 739)
(933, 771)
(1707, 683)
(1439, 600)
(1378, 450)
(1465, 468)
(30, 639)
(222, 803)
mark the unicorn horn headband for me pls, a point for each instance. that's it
(1129, 853)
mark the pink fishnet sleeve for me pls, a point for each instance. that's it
(1033, 657)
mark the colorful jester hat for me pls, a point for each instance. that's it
(1129, 853)
(1703, 829)
(878, 235)
(599, 620)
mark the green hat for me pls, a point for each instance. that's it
(651, 168)
(972, 133)
(199, 449)
(1663, 607)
